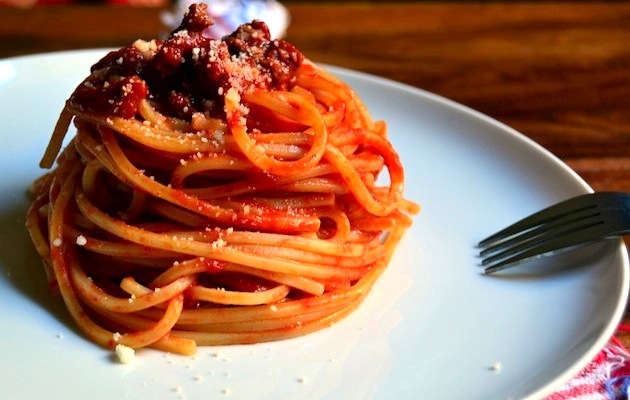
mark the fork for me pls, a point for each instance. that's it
(569, 224)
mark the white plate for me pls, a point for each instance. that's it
(432, 327)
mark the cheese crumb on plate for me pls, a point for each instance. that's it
(125, 354)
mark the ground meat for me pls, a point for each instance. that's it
(277, 58)
(188, 72)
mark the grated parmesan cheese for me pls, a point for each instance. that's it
(496, 367)
(125, 354)
(219, 243)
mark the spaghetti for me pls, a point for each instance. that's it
(216, 192)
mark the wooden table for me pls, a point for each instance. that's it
(559, 73)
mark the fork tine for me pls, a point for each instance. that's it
(551, 226)
(548, 214)
(582, 235)
(571, 223)
(549, 242)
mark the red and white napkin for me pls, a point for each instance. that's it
(607, 377)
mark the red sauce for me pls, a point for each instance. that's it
(188, 72)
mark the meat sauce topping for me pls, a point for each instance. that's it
(188, 72)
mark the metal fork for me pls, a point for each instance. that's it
(578, 221)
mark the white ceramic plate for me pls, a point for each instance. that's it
(432, 327)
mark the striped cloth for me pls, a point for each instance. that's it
(607, 377)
